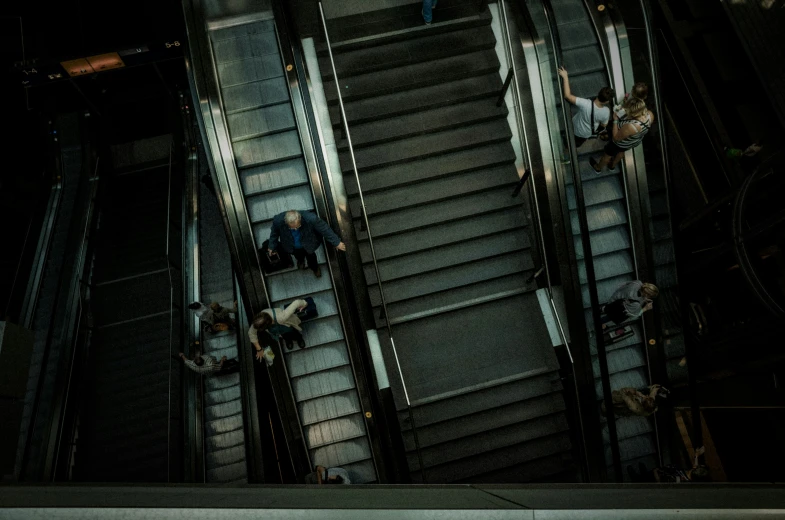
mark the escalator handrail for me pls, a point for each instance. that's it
(588, 258)
(370, 240)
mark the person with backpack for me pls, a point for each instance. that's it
(278, 323)
(592, 115)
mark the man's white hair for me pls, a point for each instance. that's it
(292, 217)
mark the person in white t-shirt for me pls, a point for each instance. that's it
(582, 123)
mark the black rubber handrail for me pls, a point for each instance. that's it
(588, 258)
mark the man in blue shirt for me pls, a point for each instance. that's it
(300, 234)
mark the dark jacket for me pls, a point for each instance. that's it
(312, 230)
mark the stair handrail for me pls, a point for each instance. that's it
(586, 244)
(370, 241)
(523, 136)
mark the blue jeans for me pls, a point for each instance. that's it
(427, 9)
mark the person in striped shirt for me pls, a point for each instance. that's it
(206, 365)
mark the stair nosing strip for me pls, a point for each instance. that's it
(267, 191)
(131, 277)
(319, 371)
(435, 270)
(551, 434)
(427, 155)
(337, 47)
(481, 386)
(457, 306)
(436, 423)
(491, 430)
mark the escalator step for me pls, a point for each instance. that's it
(633, 378)
(484, 423)
(342, 454)
(322, 357)
(605, 288)
(253, 40)
(538, 470)
(225, 440)
(597, 191)
(249, 70)
(440, 212)
(222, 410)
(611, 265)
(395, 104)
(228, 473)
(261, 28)
(264, 207)
(577, 34)
(260, 122)
(480, 401)
(604, 241)
(249, 96)
(268, 149)
(632, 448)
(222, 395)
(323, 383)
(628, 428)
(620, 360)
(569, 11)
(584, 60)
(413, 76)
(459, 295)
(588, 84)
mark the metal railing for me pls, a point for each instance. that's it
(367, 229)
(523, 136)
(171, 313)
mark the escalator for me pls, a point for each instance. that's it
(41, 312)
(129, 407)
(608, 215)
(223, 419)
(261, 170)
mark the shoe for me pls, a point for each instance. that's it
(611, 169)
(318, 272)
(289, 345)
(593, 163)
(300, 264)
(301, 343)
(423, 18)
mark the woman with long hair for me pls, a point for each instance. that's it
(627, 132)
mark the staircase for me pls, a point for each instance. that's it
(224, 438)
(609, 231)
(124, 432)
(453, 247)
